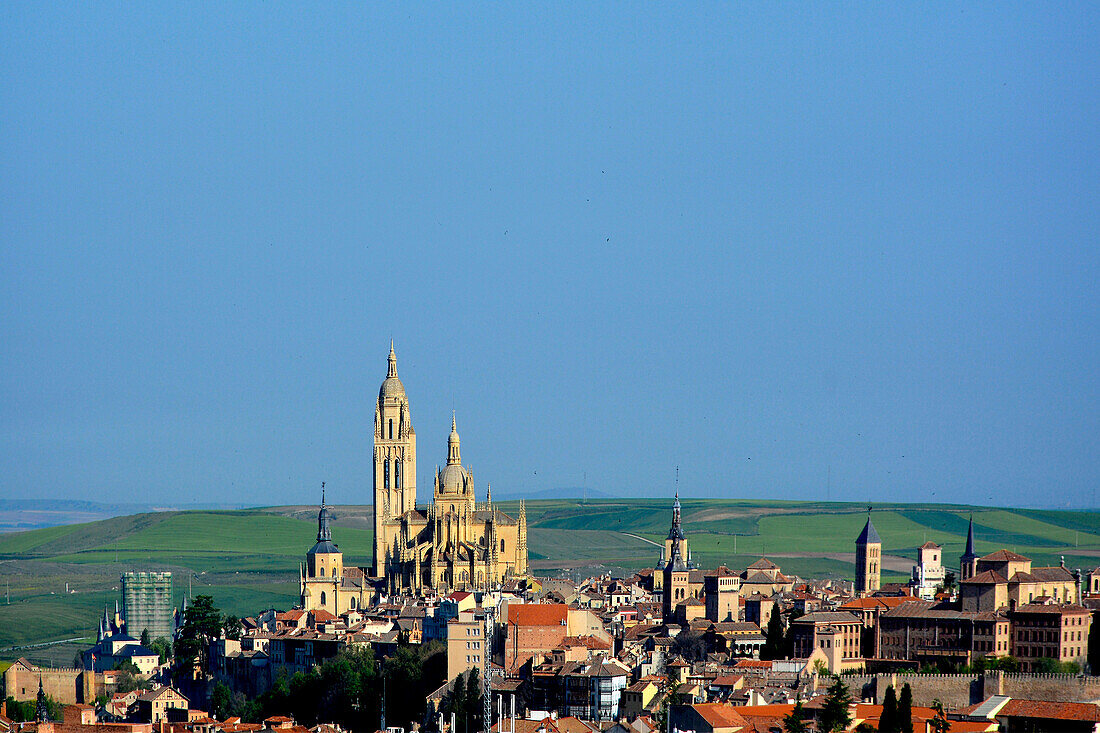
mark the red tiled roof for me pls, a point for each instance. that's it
(537, 614)
(1004, 556)
(719, 715)
(1083, 711)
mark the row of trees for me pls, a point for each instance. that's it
(348, 689)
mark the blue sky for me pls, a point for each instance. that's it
(799, 251)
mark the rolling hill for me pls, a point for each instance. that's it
(59, 578)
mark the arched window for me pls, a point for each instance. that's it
(334, 571)
(391, 428)
(353, 603)
(502, 545)
(397, 474)
(385, 473)
(322, 598)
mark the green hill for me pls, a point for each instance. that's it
(248, 560)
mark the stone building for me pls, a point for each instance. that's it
(1005, 579)
(147, 603)
(454, 542)
(928, 573)
(1055, 631)
(868, 560)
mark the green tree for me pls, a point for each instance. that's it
(888, 721)
(905, 710)
(690, 645)
(163, 648)
(1046, 665)
(221, 701)
(834, 711)
(474, 700)
(939, 721)
(796, 721)
(231, 627)
(202, 623)
(774, 640)
(145, 638)
(413, 667)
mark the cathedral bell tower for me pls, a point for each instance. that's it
(394, 457)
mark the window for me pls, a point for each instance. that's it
(322, 598)
(385, 473)
(397, 474)
(391, 428)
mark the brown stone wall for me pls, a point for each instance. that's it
(66, 685)
(959, 690)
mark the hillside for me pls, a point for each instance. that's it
(248, 559)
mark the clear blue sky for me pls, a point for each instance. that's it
(779, 246)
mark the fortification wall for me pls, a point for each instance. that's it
(960, 690)
(65, 684)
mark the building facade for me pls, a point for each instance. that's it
(453, 543)
(147, 603)
(868, 560)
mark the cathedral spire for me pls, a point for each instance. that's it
(970, 539)
(391, 370)
(453, 454)
(488, 493)
(324, 532)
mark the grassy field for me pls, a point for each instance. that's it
(60, 578)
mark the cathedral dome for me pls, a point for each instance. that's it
(391, 386)
(452, 478)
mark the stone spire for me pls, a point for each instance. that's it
(41, 710)
(489, 494)
(324, 532)
(521, 544)
(391, 370)
(454, 456)
(969, 552)
(676, 532)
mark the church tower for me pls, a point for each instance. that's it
(868, 560)
(323, 572)
(968, 560)
(394, 457)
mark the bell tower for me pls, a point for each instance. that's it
(394, 457)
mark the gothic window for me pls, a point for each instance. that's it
(502, 545)
(353, 603)
(334, 571)
(397, 474)
(322, 598)
(391, 428)
(386, 473)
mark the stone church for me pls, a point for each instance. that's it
(452, 543)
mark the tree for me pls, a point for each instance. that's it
(202, 623)
(774, 640)
(905, 710)
(795, 722)
(689, 645)
(834, 712)
(939, 721)
(163, 648)
(231, 627)
(888, 721)
(224, 703)
(145, 638)
(1046, 665)
(474, 700)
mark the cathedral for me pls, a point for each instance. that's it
(452, 543)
